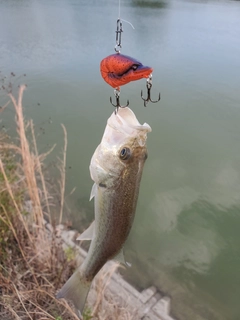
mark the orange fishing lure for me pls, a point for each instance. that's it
(118, 70)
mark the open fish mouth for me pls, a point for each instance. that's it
(124, 124)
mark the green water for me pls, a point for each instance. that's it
(186, 238)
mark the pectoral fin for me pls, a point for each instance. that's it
(120, 258)
(89, 233)
(93, 191)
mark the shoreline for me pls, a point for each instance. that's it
(147, 304)
(37, 257)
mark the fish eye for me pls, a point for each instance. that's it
(134, 67)
(125, 153)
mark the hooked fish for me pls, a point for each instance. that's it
(118, 70)
(116, 169)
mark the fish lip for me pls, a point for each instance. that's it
(127, 119)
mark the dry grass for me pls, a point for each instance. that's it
(33, 264)
(106, 306)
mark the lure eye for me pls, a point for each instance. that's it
(125, 153)
(134, 67)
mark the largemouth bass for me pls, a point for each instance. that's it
(116, 169)
(118, 70)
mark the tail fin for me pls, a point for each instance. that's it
(75, 289)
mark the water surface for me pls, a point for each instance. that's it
(185, 239)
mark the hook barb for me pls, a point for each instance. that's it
(149, 86)
(118, 105)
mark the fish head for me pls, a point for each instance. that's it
(122, 150)
(118, 70)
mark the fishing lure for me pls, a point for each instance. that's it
(118, 70)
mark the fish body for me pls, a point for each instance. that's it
(118, 70)
(116, 169)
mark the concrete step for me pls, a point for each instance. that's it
(145, 305)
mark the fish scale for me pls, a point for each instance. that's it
(116, 169)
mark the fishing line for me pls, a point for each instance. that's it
(128, 23)
(119, 14)
(119, 3)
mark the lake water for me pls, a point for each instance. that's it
(185, 239)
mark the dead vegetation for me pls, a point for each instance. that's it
(33, 264)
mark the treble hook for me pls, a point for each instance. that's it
(118, 36)
(149, 86)
(117, 105)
